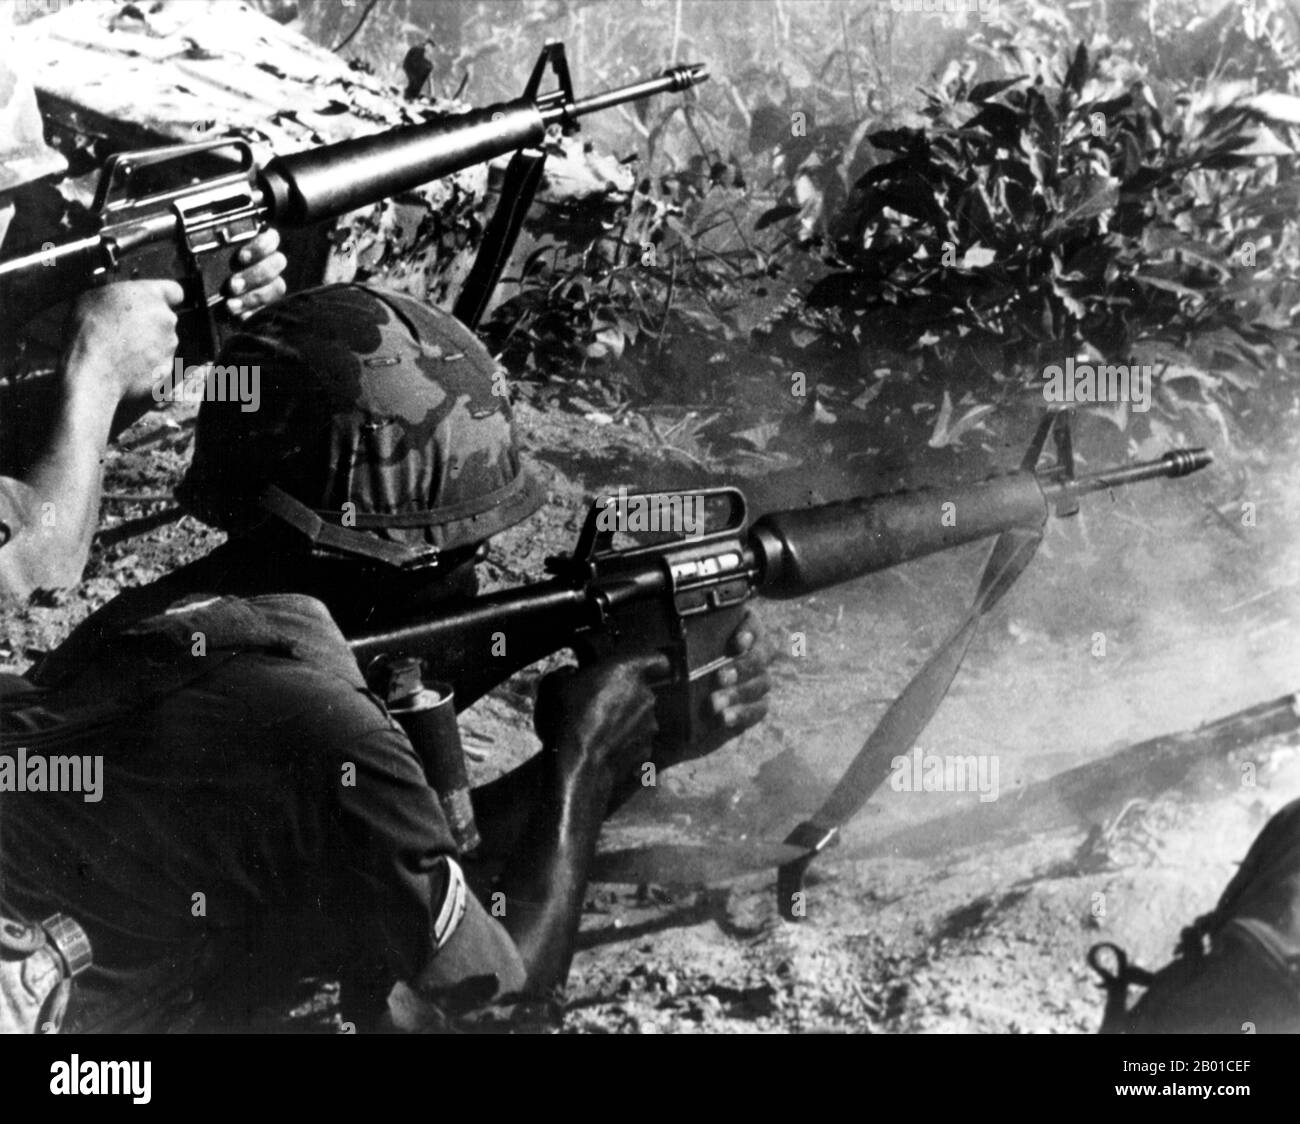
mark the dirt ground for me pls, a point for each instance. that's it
(1199, 617)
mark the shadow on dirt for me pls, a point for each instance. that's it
(969, 919)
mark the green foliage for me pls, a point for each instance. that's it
(1135, 200)
(421, 242)
(1027, 221)
(653, 269)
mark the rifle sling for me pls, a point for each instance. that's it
(522, 179)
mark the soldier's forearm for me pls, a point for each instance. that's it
(546, 878)
(61, 496)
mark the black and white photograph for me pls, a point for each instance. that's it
(650, 517)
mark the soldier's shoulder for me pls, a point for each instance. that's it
(147, 624)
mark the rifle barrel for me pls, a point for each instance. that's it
(807, 549)
(323, 183)
(1176, 462)
(672, 81)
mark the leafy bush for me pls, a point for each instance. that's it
(653, 268)
(1025, 222)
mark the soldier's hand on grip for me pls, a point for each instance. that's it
(123, 338)
(600, 718)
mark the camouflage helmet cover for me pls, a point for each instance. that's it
(382, 430)
(24, 155)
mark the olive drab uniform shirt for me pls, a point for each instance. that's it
(260, 816)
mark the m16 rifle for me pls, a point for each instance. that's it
(685, 597)
(177, 212)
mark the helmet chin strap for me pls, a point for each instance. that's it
(296, 514)
(355, 540)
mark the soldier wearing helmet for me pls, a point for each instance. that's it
(117, 339)
(265, 776)
(408, 406)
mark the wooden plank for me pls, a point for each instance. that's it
(1094, 792)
